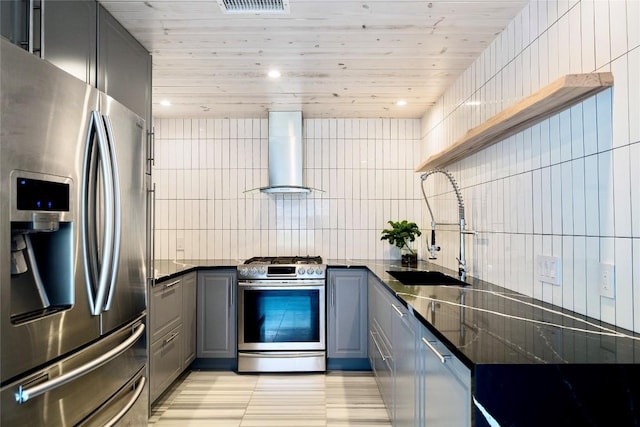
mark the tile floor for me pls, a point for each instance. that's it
(221, 399)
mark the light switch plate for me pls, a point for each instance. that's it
(607, 281)
(548, 269)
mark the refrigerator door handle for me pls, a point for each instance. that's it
(97, 270)
(117, 224)
(139, 388)
(24, 394)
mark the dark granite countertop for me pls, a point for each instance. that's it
(487, 324)
(166, 269)
(482, 323)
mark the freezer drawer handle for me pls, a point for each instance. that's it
(25, 394)
(129, 404)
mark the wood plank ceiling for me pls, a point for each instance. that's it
(338, 58)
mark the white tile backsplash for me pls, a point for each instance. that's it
(569, 181)
(204, 168)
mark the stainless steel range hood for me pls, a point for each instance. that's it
(285, 153)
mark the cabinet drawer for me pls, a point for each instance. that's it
(382, 366)
(380, 307)
(165, 362)
(166, 307)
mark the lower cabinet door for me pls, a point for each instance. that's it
(216, 325)
(405, 360)
(446, 383)
(347, 313)
(166, 362)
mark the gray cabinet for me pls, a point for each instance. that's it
(17, 18)
(69, 40)
(164, 362)
(347, 313)
(445, 384)
(404, 332)
(421, 382)
(124, 66)
(62, 31)
(172, 328)
(393, 354)
(216, 325)
(165, 311)
(84, 39)
(165, 335)
(380, 349)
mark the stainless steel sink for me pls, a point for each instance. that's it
(424, 278)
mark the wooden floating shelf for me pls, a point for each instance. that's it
(559, 95)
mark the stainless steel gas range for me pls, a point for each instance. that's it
(281, 314)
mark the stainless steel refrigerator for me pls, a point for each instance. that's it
(72, 251)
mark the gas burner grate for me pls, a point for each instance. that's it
(285, 260)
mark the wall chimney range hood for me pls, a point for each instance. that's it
(285, 153)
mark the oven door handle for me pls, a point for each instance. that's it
(276, 284)
(256, 287)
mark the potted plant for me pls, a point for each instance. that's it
(401, 234)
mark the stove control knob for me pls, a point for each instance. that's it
(318, 271)
(253, 270)
(243, 271)
(301, 271)
(262, 270)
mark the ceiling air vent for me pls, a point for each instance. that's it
(254, 6)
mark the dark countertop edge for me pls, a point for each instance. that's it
(169, 269)
(390, 282)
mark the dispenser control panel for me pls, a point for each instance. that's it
(39, 195)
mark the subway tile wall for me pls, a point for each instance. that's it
(567, 187)
(207, 172)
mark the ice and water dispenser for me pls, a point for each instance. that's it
(41, 245)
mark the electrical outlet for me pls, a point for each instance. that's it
(180, 244)
(548, 269)
(607, 281)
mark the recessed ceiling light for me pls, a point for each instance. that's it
(165, 103)
(274, 74)
(401, 103)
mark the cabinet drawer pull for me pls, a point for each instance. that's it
(375, 341)
(443, 358)
(171, 338)
(172, 284)
(400, 313)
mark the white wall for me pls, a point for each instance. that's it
(203, 167)
(567, 187)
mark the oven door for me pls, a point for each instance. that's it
(281, 315)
